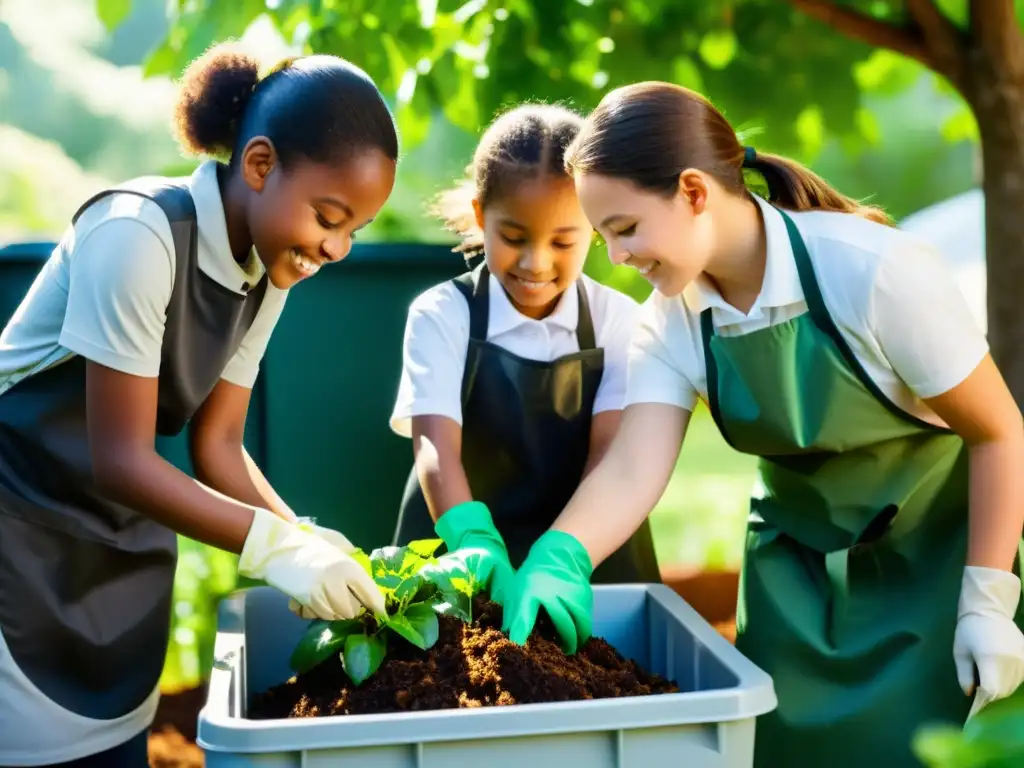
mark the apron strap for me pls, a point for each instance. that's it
(821, 317)
(474, 287)
(707, 328)
(585, 322)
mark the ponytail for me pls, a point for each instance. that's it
(797, 188)
(319, 108)
(649, 133)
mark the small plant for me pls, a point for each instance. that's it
(994, 738)
(417, 587)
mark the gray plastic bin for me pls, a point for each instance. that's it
(709, 725)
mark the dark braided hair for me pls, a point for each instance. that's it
(526, 142)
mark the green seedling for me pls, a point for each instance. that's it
(417, 586)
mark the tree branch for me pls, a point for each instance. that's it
(906, 39)
(946, 43)
(995, 30)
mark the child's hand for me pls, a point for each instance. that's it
(556, 577)
(322, 579)
(328, 534)
(469, 533)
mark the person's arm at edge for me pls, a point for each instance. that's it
(121, 413)
(643, 410)
(623, 488)
(437, 448)
(603, 429)
(219, 455)
(946, 362)
(429, 401)
(982, 411)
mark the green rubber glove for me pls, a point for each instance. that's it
(555, 576)
(469, 533)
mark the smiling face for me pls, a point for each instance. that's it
(306, 215)
(536, 240)
(668, 239)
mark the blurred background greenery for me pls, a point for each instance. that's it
(86, 90)
(105, 117)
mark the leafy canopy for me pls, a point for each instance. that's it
(764, 62)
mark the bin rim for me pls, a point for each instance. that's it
(223, 728)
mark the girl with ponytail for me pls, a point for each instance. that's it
(880, 583)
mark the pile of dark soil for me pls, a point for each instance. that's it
(471, 665)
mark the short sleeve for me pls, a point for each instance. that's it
(616, 332)
(120, 279)
(923, 322)
(433, 358)
(655, 371)
(244, 366)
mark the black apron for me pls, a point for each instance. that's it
(525, 440)
(85, 603)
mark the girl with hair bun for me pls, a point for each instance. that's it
(880, 583)
(154, 312)
(513, 373)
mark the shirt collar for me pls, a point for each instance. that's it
(781, 285)
(214, 247)
(504, 317)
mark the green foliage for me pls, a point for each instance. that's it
(363, 656)
(203, 577)
(113, 12)
(417, 587)
(994, 738)
(764, 63)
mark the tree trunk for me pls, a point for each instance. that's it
(985, 63)
(996, 94)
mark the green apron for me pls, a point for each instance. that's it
(855, 550)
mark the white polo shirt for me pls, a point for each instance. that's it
(104, 291)
(891, 295)
(437, 333)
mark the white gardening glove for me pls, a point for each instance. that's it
(986, 638)
(332, 537)
(319, 576)
(327, 534)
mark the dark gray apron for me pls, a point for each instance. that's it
(85, 603)
(526, 438)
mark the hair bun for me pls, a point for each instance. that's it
(214, 91)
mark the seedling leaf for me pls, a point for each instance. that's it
(363, 656)
(412, 563)
(417, 586)
(423, 618)
(364, 560)
(401, 625)
(387, 560)
(465, 586)
(388, 580)
(321, 640)
(408, 587)
(425, 548)
(445, 572)
(453, 603)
